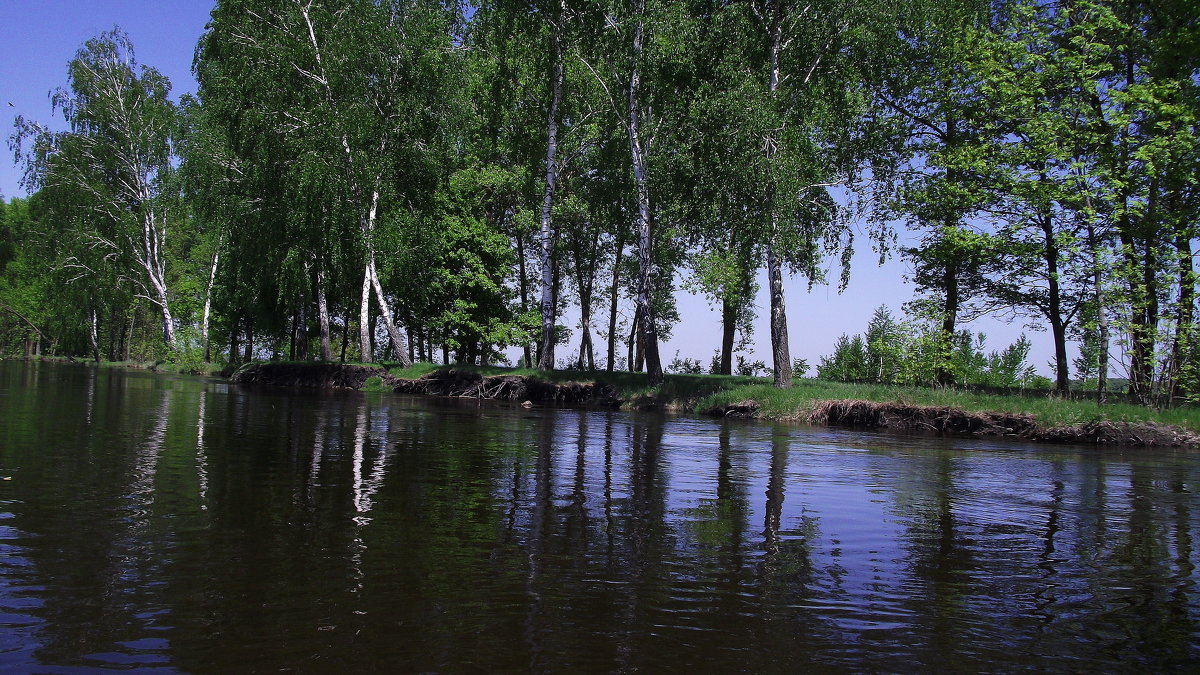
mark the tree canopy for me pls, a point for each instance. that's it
(421, 180)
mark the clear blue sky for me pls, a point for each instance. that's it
(38, 38)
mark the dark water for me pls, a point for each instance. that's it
(163, 524)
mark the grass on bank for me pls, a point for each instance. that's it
(174, 367)
(1046, 410)
(700, 392)
(693, 393)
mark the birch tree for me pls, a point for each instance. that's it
(355, 95)
(807, 63)
(116, 157)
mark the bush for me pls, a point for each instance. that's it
(750, 368)
(684, 366)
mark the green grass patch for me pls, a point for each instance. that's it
(413, 372)
(178, 368)
(1046, 410)
(696, 393)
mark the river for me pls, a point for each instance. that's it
(175, 524)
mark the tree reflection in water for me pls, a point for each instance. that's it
(183, 524)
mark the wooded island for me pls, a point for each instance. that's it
(420, 180)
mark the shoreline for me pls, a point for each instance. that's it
(744, 398)
(898, 416)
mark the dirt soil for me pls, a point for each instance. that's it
(469, 384)
(843, 413)
(318, 375)
(866, 414)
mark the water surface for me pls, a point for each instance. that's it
(171, 524)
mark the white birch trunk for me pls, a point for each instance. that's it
(385, 313)
(93, 334)
(364, 318)
(212, 279)
(780, 351)
(546, 350)
(323, 317)
(645, 236)
(372, 278)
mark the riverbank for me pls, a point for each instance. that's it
(814, 402)
(171, 367)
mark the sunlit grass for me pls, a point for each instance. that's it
(1046, 410)
(697, 393)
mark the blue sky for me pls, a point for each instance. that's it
(38, 38)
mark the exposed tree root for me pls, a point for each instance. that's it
(468, 384)
(942, 419)
(318, 375)
(846, 413)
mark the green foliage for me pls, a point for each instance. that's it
(894, 352)
(684, 366)
(1043, 155)
(747, 368)
(848, 363)
(107, 183)
(794, 403)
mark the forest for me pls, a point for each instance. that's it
(445, 180)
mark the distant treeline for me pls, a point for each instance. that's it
(429, 180)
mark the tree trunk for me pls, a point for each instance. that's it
(212, 280)
(728, 331)
(114, 339)
(613, 298)
(1143, 312)
(548, 307)
(398, 348)
(323, 317)
(128, 340)
(1102, 325)
(292, 338)
(523, 287)
(631, 363)
(168, 322)
(729, 315)
(1140, 329)
(649, 331)
(585, 338)
(780, 352)
(1181, 347)
(94, 334)
(1062, 381)
(364, 318)
(780, 349)
(639, 353)
(234, 356)
(345, 338)
(374, 330)
(942, 374)
(150, 252)
(302, 332)
(1101, 309)
(584, 281)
